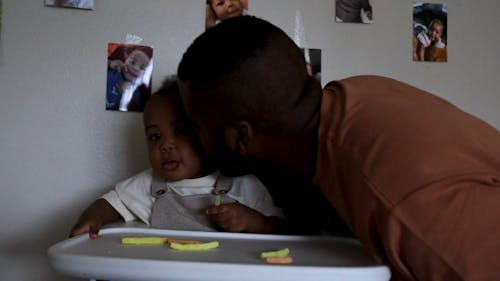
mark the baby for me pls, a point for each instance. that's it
(180, 190)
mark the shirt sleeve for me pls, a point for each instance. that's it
(251, 192)
(132, 197)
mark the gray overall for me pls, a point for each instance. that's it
(173, 211)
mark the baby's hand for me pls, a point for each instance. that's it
(235, 217)
(86, 225)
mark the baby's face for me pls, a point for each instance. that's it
(171, 141)
(435, 31)
(135, 65)
(225, 9)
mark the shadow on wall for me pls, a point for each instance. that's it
(28, 250)
(124, 151)
(25, 250)
(136, 147)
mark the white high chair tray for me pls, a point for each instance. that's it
(237, 258)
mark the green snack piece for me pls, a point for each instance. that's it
(195, 247)
(217, 200)
(144, 240)
(280, 253)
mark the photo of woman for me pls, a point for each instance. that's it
(78, 4)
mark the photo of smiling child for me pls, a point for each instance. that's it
(219, 10)
(129, 76)
(430, 32)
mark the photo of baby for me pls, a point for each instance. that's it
(429, 34)
(0, 18)
(219, 10)
(129, 76)
(77, 4)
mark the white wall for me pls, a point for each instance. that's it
(59, 148)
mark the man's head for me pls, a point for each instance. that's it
(242, 78)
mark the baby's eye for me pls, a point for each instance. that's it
(154, 137)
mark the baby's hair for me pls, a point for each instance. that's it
(168, 88)
(169, 85)
(145, 49)
(436, 21)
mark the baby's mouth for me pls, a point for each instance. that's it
(170, 165)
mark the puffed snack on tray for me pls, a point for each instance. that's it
(277, 257)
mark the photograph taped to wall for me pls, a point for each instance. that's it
(219, 10)
(0, 18)
(429, 34)
(129, 76)
(353, 11)
(77, 4)
(313, 62)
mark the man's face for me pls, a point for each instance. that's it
(211, 129)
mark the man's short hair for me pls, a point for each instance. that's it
(267, 70)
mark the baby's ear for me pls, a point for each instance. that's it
(238, 135)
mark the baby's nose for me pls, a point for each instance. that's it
(167, 145)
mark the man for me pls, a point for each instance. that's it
(416, 179)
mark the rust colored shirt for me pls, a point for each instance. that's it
(416, 178)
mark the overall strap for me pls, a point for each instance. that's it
(223, 184)
(158, 187)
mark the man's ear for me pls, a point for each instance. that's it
(238, 136)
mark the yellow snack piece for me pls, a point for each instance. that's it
(195, 247)
(144, 240)
(280, 253)
(217, 200)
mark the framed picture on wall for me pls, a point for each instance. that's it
(129, 76)
(353, 11)
(0, 18)
(77, 4)
(219, 10)
(429, 34)
(313, 62)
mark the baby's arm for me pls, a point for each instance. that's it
(235, 217)
(420, 51)
(97, 214)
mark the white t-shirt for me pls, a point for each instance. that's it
(133, 200)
